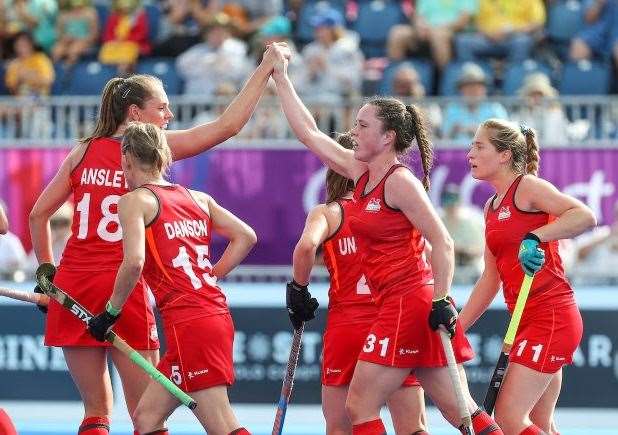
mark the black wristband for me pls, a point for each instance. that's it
(532, 236)
(299, 286)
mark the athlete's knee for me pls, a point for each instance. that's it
(144, 421)
(353, 405)
(507, 421)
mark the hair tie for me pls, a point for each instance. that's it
(525, 130)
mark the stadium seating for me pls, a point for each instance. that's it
(450, 75)
(164, 69)
(424, 69)
(85, 78)
(374, 22)
(3, 88)
(564, 20)
(585, 78)
(516, 73)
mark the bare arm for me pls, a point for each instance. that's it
(4, 222)
(405, 192)
(483, 293)
(133, 210)
(573, 217)
(52, 197)
(337, 158)
(315, 232)
(187, 143)
(241, 236)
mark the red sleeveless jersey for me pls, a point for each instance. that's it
(177, 267)
(505, 227)
(392, 248)
(349, 297)
(97, 183)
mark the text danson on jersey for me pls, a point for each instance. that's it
(186, 228)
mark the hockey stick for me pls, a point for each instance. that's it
(453, 372)
(498, 376)
(84, 315)
(35, 298)
(288, 381)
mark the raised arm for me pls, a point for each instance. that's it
(190, 142)
(301, 121)
(315, 232)
(241, 236)
(483, 293)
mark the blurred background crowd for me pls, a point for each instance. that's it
(478, 58)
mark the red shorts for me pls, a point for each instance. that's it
(199, 352)
(342, 346)
(401, 335)
(546, 340)
(92, 290)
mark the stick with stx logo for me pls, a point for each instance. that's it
(288, 381)
(83, 314)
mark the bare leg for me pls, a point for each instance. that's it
(333, 407)
(400, 39)
(437, 383)
(134, 379)
(441, 48)
(371, 386)
(407, 408)
(542, 413)
(88, 368)
(521, 391)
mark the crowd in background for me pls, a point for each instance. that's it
(474, 49)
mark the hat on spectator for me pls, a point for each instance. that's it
(276, 26)
(471, 73)
(327, 17)
(538, 83)
(450, 194)
(220, 19)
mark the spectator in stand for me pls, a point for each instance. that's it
(31, 73)
(466, 226)
(599, 37)
(250, 15)
(462, 118)
(77, 29)
(542, 110)
(125, 36)
(220, 59)
(38, 17)
(60, 225)
(180, 27)
(407, 85)
(12, 254)
(506, 28)
(432, 26)
(597, 251)
(333, 60)
(30, 76)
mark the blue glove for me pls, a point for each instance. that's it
(531, 257)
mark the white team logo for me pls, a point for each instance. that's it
(154, 336)
(193, 374)
(504, 213)
(403, 351)
(373, 205)
(330, 371)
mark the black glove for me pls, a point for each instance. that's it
(101, 323)
(301, 306)
(443, 312)
(49, 273)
